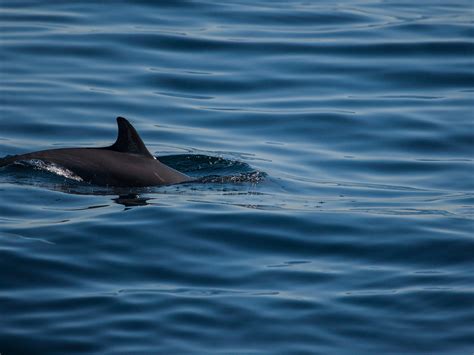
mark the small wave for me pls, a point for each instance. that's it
(215, 170)
(200, 165)
(253, 177)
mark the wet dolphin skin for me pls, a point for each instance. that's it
(126, 163)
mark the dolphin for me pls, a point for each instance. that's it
(126, 163)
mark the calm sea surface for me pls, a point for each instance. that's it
(335, 141)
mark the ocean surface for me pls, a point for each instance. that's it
(334, 142)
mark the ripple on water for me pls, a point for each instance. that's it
(333, 148)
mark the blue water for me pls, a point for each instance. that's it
(336, 144)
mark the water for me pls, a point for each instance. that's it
(335, 141)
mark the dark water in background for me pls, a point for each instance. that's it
(351, 124)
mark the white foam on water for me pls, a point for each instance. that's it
(52, 168)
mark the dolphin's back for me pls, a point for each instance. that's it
(109, 168)
(126, 163)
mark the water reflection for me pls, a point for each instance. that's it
(131, 200)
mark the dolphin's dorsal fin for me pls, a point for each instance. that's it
(128, 140)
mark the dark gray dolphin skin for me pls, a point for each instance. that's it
(126, 163)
